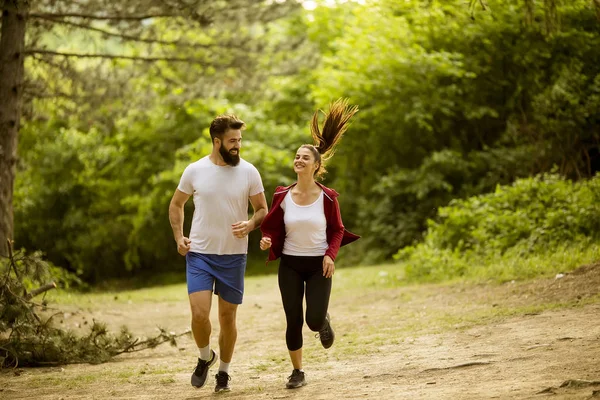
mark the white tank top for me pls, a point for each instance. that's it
(305, 227)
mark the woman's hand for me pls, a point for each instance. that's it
(328, 267)
(265, 243)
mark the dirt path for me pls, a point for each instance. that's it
(417, 342)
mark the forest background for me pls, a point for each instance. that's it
(475, 151)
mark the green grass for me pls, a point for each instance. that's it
(158, 294)
(69, 382)
(516, 264)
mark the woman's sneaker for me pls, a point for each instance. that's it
(326, 334)
(296, 380)
(223, 379)
(201, 371)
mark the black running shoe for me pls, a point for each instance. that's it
(326, 334)
(296, 379)
(223, 379)
(201, 371)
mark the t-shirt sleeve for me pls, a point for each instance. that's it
(185, 183)
(256, 185)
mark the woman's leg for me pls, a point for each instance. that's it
(318, 291)
(296, 357)
(291, 286)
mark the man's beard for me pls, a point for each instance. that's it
(230, 159)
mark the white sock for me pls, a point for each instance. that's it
(224, 367)
(205, 352)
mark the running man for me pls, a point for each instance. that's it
(221, 184)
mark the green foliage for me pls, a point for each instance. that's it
(452, 106)
(454, 100)
(414, 195)
(536, 216)
(98, 203)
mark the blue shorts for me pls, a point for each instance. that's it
(224, 273)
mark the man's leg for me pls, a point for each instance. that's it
(229, 285)
(228, 332)
(227, 339)
(200, 304)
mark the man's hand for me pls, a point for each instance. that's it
(328, 267)
(241, 229)
(183, 245)
(265, 243)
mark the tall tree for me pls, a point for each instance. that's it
(12, 44)
(212, 35)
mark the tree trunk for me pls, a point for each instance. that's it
(12, 43)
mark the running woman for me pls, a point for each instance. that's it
(305, 229)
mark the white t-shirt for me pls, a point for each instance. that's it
(305, 227)
(220, 199)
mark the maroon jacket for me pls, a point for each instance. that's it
(273, 226)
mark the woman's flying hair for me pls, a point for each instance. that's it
(335, 124)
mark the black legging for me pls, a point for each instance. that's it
(294, 271)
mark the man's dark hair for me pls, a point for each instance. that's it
(223, 123)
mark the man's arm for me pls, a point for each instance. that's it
(259, 204)
(242, 228)
(176, 217)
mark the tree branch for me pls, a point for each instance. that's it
(102, 17)
(40, 290)
(124, 36)
(11, 258)
(190, 60)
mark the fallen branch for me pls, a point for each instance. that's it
(28, 341)
(40, 290)
(136, 345)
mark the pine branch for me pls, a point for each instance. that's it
(102, 17)
(127, 37)
(191, 60)
(11, 258)
(12, 353)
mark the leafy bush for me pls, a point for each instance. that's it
(532, 217)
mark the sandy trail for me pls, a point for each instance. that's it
(459, 341)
